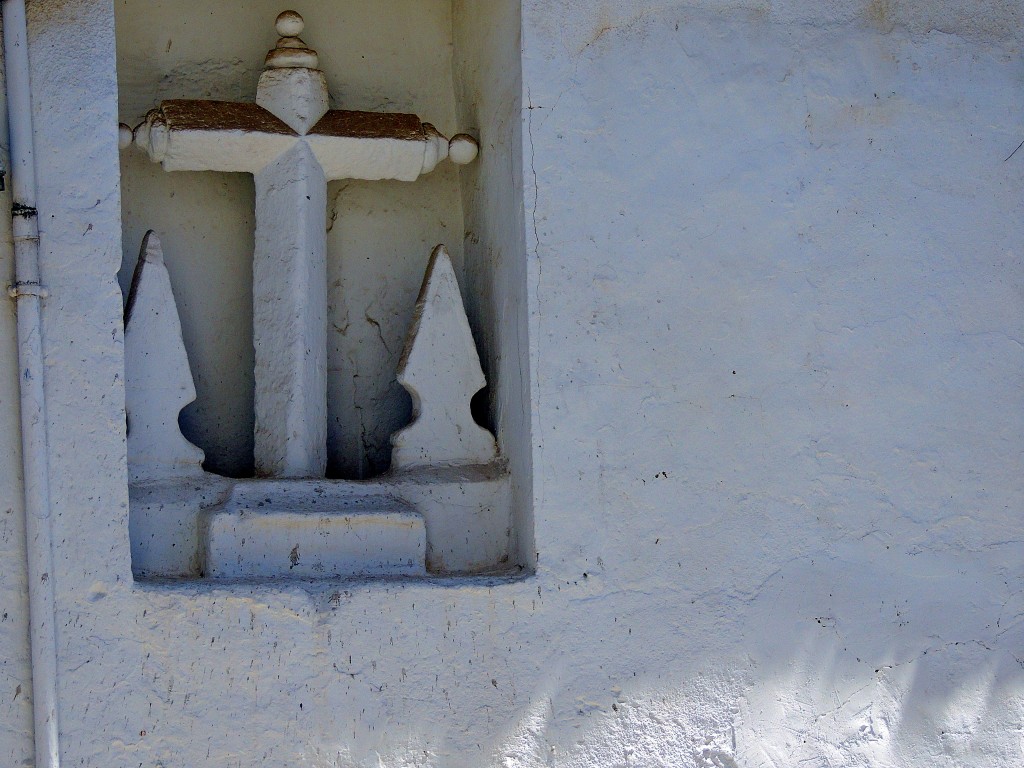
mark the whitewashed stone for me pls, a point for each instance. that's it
(274, 530)
(158, 380)
(467, 510)
(163, 523)
(198, 136)
(440, 368)
(124, 136)
(875, 472)
(289, 24)
(463, 149)
(291, 51)
(384, 157)
(296, 95)
(290, 317)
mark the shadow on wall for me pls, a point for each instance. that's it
(924, 672)
(865, 656)
(812, 708)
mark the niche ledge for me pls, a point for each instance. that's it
(414, 523)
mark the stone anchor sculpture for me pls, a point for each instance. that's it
(293, 145)
(445, 505)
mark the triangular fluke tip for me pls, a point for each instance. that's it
(440, 368)
(438, 257)
(152, 250)
(440, 266)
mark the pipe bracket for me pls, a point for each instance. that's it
(27, 288)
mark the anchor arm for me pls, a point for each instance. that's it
(185, 135)
(373, 146)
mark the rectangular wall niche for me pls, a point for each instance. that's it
(357, 204)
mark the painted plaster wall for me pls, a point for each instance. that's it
(778, 284)
(488, 85)
(816, 560)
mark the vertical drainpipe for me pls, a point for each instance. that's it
(28, 292)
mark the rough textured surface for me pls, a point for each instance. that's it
(72, 43)
(814, 561)
(290, 316)
(778, 332)
(276, 530)
(210, 115)
(164, 524)
(296, 95)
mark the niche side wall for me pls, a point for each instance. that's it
(489, 99)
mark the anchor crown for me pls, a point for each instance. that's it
(291, 52)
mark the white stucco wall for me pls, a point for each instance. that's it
(815, 560)
(778, 281)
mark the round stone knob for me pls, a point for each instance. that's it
(463, 149)
(125, 136)
(291, 52)
(290, 24)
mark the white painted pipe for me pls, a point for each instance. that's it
(28, 292)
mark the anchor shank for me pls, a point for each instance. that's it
(290, 317)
